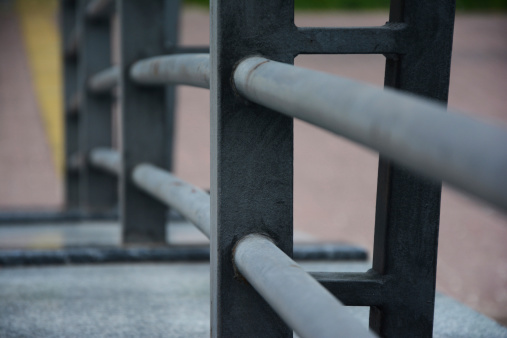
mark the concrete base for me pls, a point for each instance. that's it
(154, 300)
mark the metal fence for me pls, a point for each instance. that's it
(256, 288)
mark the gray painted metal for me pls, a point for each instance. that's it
(417, 133)
(386, 39)
(172, 12)
(182, 69)
(104, 81)
(190, 201)
(408, 205)
(99, 8)
(73, 39)
(251, 162)
(71, 178)
(74, 104)
(144, 121)
(304, 304)
(75, 162)
(98, 191)
(355, 289)
(106, 159)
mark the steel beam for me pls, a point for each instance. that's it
(408, 205)
(68, 14)
(98, 191)
(354, 40)
(354, 289)
(251, 163)
(144, 122)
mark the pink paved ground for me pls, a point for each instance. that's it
(335, 180)
(27, 175)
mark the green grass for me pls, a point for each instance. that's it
(378, 4)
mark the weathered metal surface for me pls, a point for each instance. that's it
(354, 289)
(74, 104)
(98, 9)
(73, 34)
(190, 201)
(75, 162)
(304, 304)
(172, 11)
(181, 69)
(417, 133)
(98, 190)
(144, 121)
(408, 205)
(354, 40)
(104, 81)
(71, 179)
(188, 49)
(251, 163)
(106, 159)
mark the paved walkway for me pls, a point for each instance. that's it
(335, 180)
(156, 300)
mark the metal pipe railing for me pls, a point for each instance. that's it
(182, 69)
(420, 134)
(105, 80)
(190, 201)
(302, 302)
(106, 159)
(99, 8)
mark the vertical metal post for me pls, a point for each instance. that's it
(171, 37)
(251, 163)
(98, 191)
(408, 206)
(68, 9)
(144, 122)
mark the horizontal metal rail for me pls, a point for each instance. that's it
(190, 201)
(182, 69)
(106, 159)
(420, 134)
(104, 81)
(99, 8)
(188, 49)
(304, 304)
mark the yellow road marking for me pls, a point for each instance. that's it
(39, 27)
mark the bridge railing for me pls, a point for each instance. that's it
(256, 288)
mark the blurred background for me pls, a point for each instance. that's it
(335, 180)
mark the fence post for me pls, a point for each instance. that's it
(171, 40)
(98, 191)
(408, 205)
(144, 122)
(251, 163)
(68, 15)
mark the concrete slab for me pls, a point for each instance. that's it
(154, 300)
